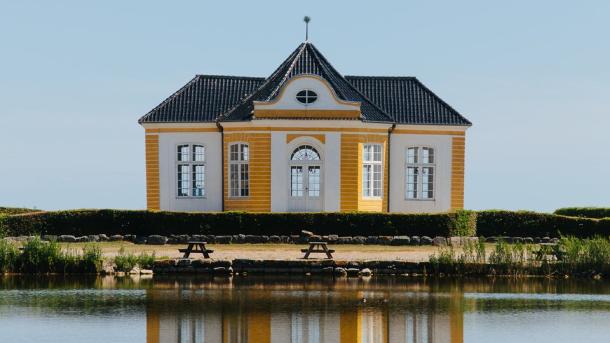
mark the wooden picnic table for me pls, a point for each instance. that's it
(195, 247)
(318, 247)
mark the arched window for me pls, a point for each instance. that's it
(190, 159)
(420, 173)
(305, 153)
(239, 172)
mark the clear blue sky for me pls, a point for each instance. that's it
(533, 77)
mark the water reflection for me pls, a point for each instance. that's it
(295, 310)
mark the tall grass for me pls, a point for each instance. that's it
(571, 256)
(40, 257)
(8, 256)
(125, 262)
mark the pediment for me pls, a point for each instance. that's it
(307, 96)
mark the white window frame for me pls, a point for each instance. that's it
(370, 192)
(241, 164)
(191, 164)
(419, 165)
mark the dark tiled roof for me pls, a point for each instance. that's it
(306, 59)
(203, 99)
(407, 100)
(207, 98)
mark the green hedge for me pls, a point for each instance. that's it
(533, 224)
(86, 222)
(586, 212)
(16, 210)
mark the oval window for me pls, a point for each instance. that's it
(307, 96)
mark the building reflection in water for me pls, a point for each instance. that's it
(298, 314)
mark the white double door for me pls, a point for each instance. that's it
(305, 188)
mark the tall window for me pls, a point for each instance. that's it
(190, 159)
(239, 174)
(372, 176)
(420, 173)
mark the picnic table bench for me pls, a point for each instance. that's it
(195, 247)
(318, 247)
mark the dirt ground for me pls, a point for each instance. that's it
(272, 251)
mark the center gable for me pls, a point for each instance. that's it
(307, 97)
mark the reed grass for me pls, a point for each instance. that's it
(40, 257)
(125, 261)
(571, 256)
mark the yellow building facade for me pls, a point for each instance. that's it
(305, 139)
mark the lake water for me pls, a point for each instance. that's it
(255, 309)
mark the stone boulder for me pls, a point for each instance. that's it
(439, 241)
(156, 240)
(401, 240)
(66, 239)
(116, 238)
(425, 240)
(140, 240)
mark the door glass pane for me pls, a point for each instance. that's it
(296, 181)
(314, 182)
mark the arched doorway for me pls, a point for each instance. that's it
(305, 180)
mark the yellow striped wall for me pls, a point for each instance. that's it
(260, 172)
(152, 172)
(457, 172)
(292, 136)
(351, 173)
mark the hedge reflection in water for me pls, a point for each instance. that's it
(295, 310)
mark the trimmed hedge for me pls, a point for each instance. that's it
(87, 222)
(15, 210)
(533, 224)
(586, 212)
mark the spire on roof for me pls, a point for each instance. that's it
(306, 20)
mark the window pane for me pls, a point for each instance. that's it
(377, 177)
(366, 156)
(245, 151)
(244, 179)
(198, 153)
(313, 186)
(377, 153)
(412, 155)
(183, 180)
(427, 155)
(234, 179)
(183, 153)
(366, 180)
(233, 152)
(296, 181)
(198, 180)
(412, 182)
(427, 183)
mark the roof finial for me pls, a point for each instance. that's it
(306, 20)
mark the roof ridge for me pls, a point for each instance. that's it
(267, 81)
(169, 98)
(381, 77)
(230, 76)
(352, 86)
(290, 68)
